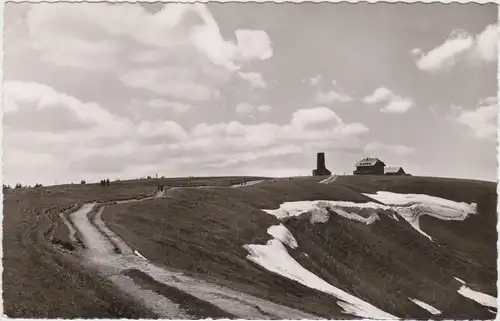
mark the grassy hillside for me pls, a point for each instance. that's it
(202, 233)
(43, 279)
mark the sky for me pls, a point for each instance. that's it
(126, 90)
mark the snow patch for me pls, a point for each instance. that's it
(409, 206)
(481, 298)
(249, 183)
(412, 206)
(425, 306)
(320, 210)
(281, 233)
(461, 281)
(274, 257)
(139, 255)
(390, 198)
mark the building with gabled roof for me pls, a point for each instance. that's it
(394, 171)
(369, 166)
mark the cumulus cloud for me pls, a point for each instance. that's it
(392, 102)
(247, 108)
(397, 105)
(184, 39)
(253, 44)
(116, 146)
(264, 109)
(313, 116)
(169, 81)
(161, 130)
(379, 95)
(482, 120)
(32, 112)
(331, 96)
(459, 46)
(253, 78)
(313, 80)
(246, 157)
(30, 106)
(487, 43)
(169, 105)
(303, 127)
(380, 147)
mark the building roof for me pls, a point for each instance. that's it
(393, 169)
(368, 161)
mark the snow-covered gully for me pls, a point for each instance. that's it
(409, 206)
(479, 297)
(412, 206)
(274, 257)
(99, 254)
(425, 306)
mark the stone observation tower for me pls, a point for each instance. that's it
(321, 169)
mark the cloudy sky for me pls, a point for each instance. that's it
(128, 90)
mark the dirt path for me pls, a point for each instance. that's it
(329, 179)
(100, 241)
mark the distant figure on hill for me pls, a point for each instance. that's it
(107, 181)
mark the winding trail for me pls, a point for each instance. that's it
(99, 254)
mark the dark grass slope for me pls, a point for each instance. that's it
(385, 264)
(40, 282)
(472, 241)
(42, 277)
(203, 231)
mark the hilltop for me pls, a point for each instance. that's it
(284, 248)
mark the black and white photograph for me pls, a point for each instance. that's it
(249, 160)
